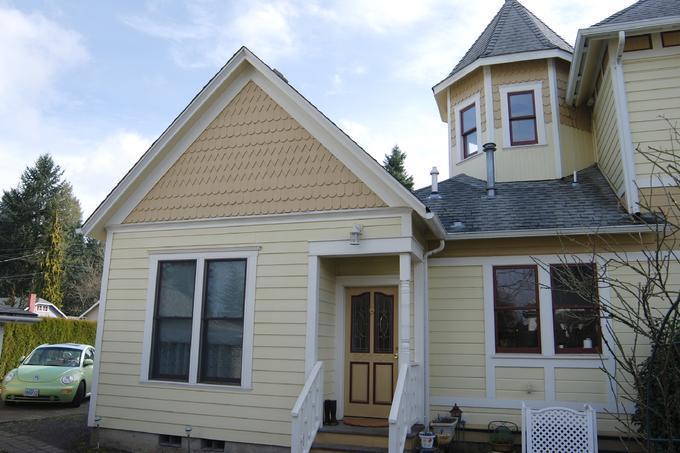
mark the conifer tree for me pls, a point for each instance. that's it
(394, 164)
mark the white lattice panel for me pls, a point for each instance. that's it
(559, 429)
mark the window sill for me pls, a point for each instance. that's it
(469, 158)
(519, 147)
(518, 356)
(197, 386)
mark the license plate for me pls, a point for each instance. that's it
(31, 392)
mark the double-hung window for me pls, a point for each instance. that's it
(522, 118)
(468, 130)
(516, 309)
(200, 318)
(576, 316)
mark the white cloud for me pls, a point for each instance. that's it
(36, 54)
(212, 31)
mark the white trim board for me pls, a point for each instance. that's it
(248, 316)
(377, 246)
(92, 412)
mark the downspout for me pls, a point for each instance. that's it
(623, 122)
(426, 340)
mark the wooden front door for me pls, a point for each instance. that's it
(371, 356)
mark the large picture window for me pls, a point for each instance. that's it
(516, 309)
(200, 318)
(576, 319)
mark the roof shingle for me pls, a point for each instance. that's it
(526, 205)
(514, 29)
(643, 10)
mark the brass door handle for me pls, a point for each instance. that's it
(396, 356)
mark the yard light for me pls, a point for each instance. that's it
(355, 234)
(187, 429)
(97, 419)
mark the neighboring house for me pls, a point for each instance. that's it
(91, 314)
(13, 315)
(256, 256)
(43, 308)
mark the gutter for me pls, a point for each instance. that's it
(606, 32)
(640, 228)
(436, 225)
(19, 319)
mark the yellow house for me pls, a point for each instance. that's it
(258, 262)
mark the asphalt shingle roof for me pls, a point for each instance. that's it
(514, 29)
(642, 10)
(526, 205)
(6, 310)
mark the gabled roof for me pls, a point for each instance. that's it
(643, 10)
(94, 305)
(514, 29)
(529, 208)
(169, 146)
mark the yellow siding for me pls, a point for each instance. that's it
(468, 86)
(279, 333)
(513, 383)
(573, 117)
(327, 325)
(653, 92)
(605, 134)
(456, 332)
(583, 385)
(373, 265)
(577, 149)
(525, 71)
(253, 159)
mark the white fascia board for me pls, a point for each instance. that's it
(511, 58)
(642, 228)
(606, 32)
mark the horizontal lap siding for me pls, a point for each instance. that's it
(279, 332)
(513, 383)
(456, 331)
(653, 91)
(606, 138)
(583, 385)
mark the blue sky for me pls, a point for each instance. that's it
(94, 82)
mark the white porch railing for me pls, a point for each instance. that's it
(307, 414)
(406, 406)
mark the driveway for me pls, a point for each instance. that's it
(43, 428)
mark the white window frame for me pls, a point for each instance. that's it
(462, 105)
(250, 255)
(537, 88)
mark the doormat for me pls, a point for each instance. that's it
(367, 422)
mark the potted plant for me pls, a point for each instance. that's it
(426, 439)
(501, 437)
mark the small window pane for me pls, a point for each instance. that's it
(176, 288)
(521, 104)
(469, 118)
(523, 131)
(360, 318)
(173, 346)
(515, 287)
(576, 329)
(517, 329)
(225, 289)
(573, 285)
(471, 143)
(384, 323)
(222, 351)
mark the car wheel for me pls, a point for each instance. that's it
(79, 396)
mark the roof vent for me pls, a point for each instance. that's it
(280, 74)
(435, 183)
(458, 225)
(490, 149)
(574, 182)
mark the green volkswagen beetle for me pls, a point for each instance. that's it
(56, 373)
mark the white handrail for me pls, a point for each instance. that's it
(307, 413)
(406, 406)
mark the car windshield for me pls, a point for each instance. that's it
(54, 356)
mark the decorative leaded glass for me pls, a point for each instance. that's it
(360, 328)
(384, 323)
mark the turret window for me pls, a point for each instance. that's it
(522, 116)
(468, 122)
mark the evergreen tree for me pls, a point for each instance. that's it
(38, 221)
(52, 266)
(394, 164)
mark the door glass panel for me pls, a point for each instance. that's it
(360, 323)
(384, 323)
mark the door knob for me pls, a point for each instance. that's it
(396, 356)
